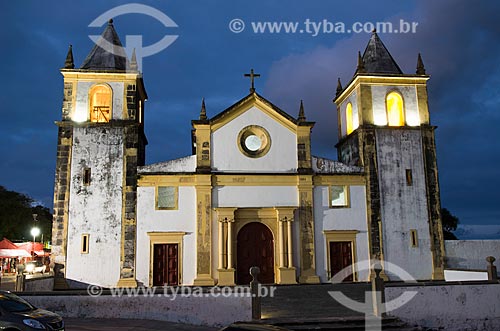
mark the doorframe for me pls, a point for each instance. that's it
(265, 216)
(341, 236)
(166, 238)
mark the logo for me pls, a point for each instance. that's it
(134, 41)
(368, 306)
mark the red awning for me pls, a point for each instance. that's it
(7, 244)
(9, 253)
(42, 253)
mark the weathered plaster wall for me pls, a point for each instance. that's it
(96, 209)
(403, 207)
(82, 99)
(226, 156)
(409, 94)
(352, 218)
(254, 196)
(151, 220)
(471, 254)
(450, 307)
(202, 309)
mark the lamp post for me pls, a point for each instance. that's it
(34, 232)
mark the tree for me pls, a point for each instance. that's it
(16, 216)
(450, 223)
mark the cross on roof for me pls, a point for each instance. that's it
(252, 77)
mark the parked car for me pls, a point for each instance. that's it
(252, 327)
(34, 267)
(17, 314)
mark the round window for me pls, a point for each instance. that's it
(254, 141)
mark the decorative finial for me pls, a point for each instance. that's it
(69, 63)
(133, 61)
(203, 111)
(302, 116)
(110, 22)
(374, 31)
(361, 64)
(339, 86)
(252, 77)
(420, 66)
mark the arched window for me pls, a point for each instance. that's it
(395, 109)
(348, 118)
(100, 103)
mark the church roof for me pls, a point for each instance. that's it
(255, 95)
(321, 165)
(377, 59)
(182, 165)
(108, 52)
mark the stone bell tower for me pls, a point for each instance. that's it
(101, 142)
(384, 126)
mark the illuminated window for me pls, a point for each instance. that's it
(85, 244)
(339, 196)
(100, 104)
(348, 118)
(395, 109)
(166, 197)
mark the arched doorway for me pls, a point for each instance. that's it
(255, 247)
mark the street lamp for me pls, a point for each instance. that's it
(34, 232)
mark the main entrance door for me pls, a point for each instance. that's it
(255, 248)
(165, 264)
(340, 257)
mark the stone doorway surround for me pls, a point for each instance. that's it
(278, 219)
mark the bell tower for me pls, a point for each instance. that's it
(101, 142)
(384, 126)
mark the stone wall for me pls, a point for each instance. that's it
(39, 284)
(450, 307)
(471, 254)
(200, 309)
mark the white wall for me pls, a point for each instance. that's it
(458, 275)
(226, 156)
(254, 196)
(82, 99)
(199, 309)
(404, 207)
(151, 220)
(450, 307)
(96, 209)
(471, 254)
(409, 94)
(353, 218)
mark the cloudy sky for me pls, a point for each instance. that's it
(459, 41)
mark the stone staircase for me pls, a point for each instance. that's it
(310, 307)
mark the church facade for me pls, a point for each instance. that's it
(251, 193)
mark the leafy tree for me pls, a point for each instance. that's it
(16, 216)
(450, 223)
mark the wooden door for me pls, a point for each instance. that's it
(165, 264)
(255, 247)
(340, 257)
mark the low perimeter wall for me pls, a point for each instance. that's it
(198, 309)
(450, 307)
(39, 284)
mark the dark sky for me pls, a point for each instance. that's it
(459, 41)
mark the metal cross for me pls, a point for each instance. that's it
(252, 77)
